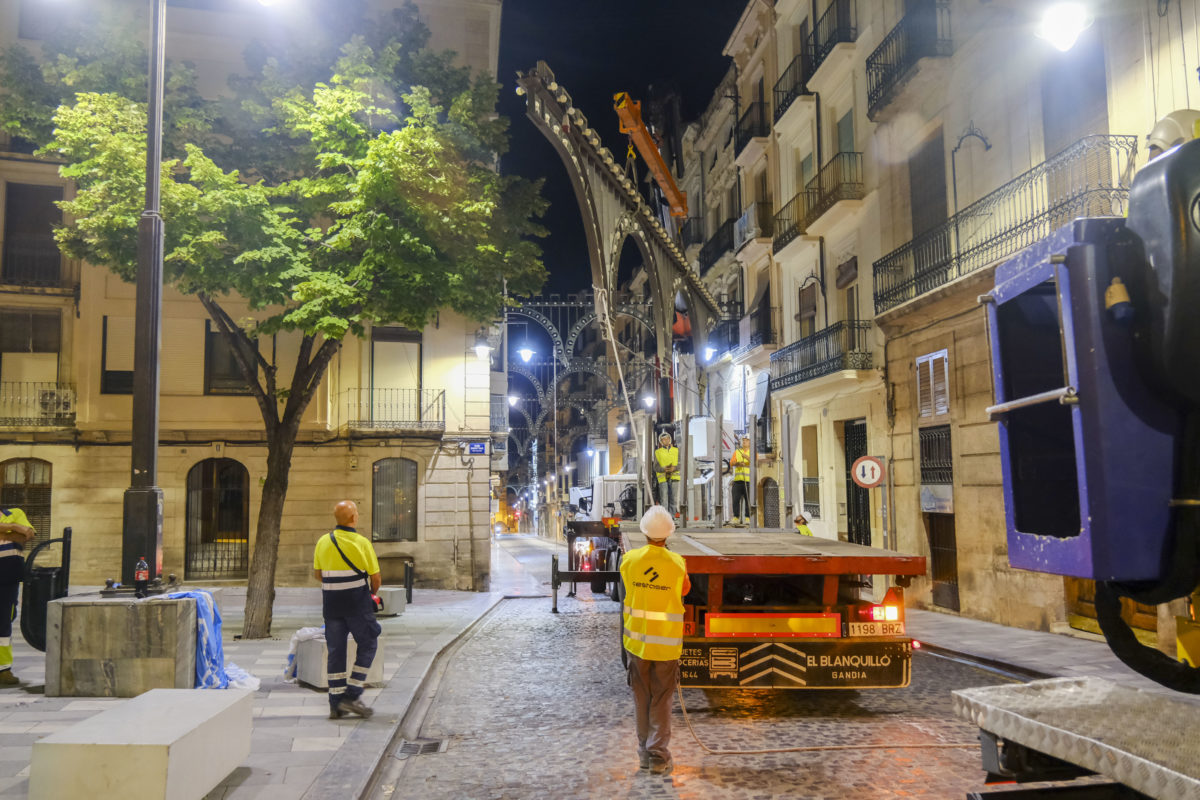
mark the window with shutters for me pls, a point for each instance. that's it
(933, 384)
(807, 315)
(221, 372)
(29, 256)
(116, 355)
(394, 500)
(29, 345)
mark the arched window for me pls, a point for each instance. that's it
(394, 500)
(769, 501)
(218, 520)
(25, 484)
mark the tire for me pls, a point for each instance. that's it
(599, 587)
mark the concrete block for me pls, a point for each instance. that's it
(175, 744)
(119, 647)
(394, 600)
(312, 657)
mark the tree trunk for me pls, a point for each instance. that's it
(260, 590)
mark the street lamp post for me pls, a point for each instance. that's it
(143, 507)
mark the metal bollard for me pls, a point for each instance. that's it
(409, 570)
(554, 582)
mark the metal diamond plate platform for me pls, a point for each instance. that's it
(1145, 741)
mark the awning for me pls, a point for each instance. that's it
(761, 389)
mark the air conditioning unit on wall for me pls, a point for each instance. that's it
(54, 403)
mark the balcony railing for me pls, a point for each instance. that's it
(840, 179)
(789, 222)
(937, 463)
(718, 245)
(1086, 179)
(756, 329)
(692, 231)
(755, 223)
(835, 26)
(397, 409)
(498, 416)
(31, 260)
(810, 490)
(924, 32)
(37, 403)
(843, 345)
(794, 80)
(753, 125)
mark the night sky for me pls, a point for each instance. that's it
(596, 49)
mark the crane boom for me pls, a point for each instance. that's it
(629, 112)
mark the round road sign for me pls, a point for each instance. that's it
(867, 472)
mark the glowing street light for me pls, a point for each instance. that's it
(512, 400)
(621, 429)
(1062, 23)
(648, 400)
(709, 352)
(525, 352)
(591, 452)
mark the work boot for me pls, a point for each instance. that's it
(356, 707)
(336, 712)
(8, 679)
(660, 766)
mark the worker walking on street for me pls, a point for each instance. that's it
(740, 461)
(345, 564)
(15, 531)
(666, 467)
(655, 581)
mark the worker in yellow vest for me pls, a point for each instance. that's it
(666, 467)
(15, 531)
(740, 461)
(655, 581)
(802, 525)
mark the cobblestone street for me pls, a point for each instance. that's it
(535, 705)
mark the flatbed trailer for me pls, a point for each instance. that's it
(1147, 744)
(774, 609)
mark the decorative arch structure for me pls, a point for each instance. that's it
(613, 210)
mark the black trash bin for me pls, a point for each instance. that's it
(43, 584)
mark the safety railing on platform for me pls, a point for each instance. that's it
(1089, 178)
(843, 345)
(923, 32)
(397, 409)
(37, 403)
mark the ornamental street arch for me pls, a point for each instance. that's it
(614, 210)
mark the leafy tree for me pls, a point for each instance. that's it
(377, 203)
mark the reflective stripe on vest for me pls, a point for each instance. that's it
(667, 457)
(666, 641)
(661, 616)
(335, 580)
(653, 613)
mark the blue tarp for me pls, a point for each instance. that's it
(210, 653)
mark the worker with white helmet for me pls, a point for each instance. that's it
(1172, 130)
(655, 581)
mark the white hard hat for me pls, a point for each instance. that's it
(657, 523)
(1175, 128)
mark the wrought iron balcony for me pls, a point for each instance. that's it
(843, 345)
(840, 179)
(789, 222)
(37, 403)
(835, 26)
(810, 489)
(1088, 178)
(718, 245)
(397, 409)
(752, 125)
(756, 329)
(937, 462)
(692, 232)
(31, 260)
(794, 80)
(924, 32)
(755, 223)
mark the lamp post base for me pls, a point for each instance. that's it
(142, 533)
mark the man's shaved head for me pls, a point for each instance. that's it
(346, 513)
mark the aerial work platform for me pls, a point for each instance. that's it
(1146, 741)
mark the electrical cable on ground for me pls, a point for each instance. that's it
(813, 748)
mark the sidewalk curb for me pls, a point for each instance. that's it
(352, 768)
(1014, 670)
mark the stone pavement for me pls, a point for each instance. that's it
(298, 753)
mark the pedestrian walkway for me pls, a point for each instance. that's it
(297, 753)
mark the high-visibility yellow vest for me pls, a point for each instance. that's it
(741, 465)
(653, 578)
(667, 457)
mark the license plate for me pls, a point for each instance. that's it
(876, 628)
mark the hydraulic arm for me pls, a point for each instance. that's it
(629, 112)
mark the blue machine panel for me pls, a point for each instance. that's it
(1087, 445)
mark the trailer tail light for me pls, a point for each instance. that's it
(773, 625)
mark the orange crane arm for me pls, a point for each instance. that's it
(629, 112)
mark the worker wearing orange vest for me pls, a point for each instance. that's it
(655, 581)
(740, 461)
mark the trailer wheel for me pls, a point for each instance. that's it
(614, 563)
(599, 587)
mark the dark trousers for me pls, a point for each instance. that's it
(653, 683)
(365, 631)
(741, 498)
(8, 612)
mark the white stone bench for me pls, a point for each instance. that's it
(312, 659)
(394, 600)
(174, 744)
